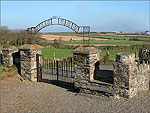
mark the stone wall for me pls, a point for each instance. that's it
(142, 76)
(8, 58)
(144, 55)
(85, 59)
(28, 61)
(130, 76)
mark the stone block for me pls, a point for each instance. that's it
(125, 57)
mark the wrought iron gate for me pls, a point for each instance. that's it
(59, 72)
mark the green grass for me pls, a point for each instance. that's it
(111, 42)
(120, 37)
(11, 68)
(48, 53)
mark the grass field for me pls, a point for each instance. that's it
(53, 53)
(112, 42)
(99, 39)
(120, 37)
(49, 53)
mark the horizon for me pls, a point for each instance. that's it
(1, 28)
(108, 16)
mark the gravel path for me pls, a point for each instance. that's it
(24, 97)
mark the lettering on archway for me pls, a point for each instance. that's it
(59, 21)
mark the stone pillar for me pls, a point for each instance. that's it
(28, 61)
(7, 55)
(84, 63)
(124, 74)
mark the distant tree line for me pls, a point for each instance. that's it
(18, 37)
(15, 37)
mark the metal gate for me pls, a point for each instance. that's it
(60, 72)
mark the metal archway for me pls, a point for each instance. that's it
(59, 21)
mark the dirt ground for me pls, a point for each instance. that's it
(52, 37)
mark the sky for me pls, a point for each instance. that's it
(101, 16)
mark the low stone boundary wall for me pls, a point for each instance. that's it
(129, 75)
(8, 58)
(24, 58)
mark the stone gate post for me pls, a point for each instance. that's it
(84, 63)
(28, 61)
(124, 74)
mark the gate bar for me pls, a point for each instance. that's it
(57, 70)
(37, 62)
